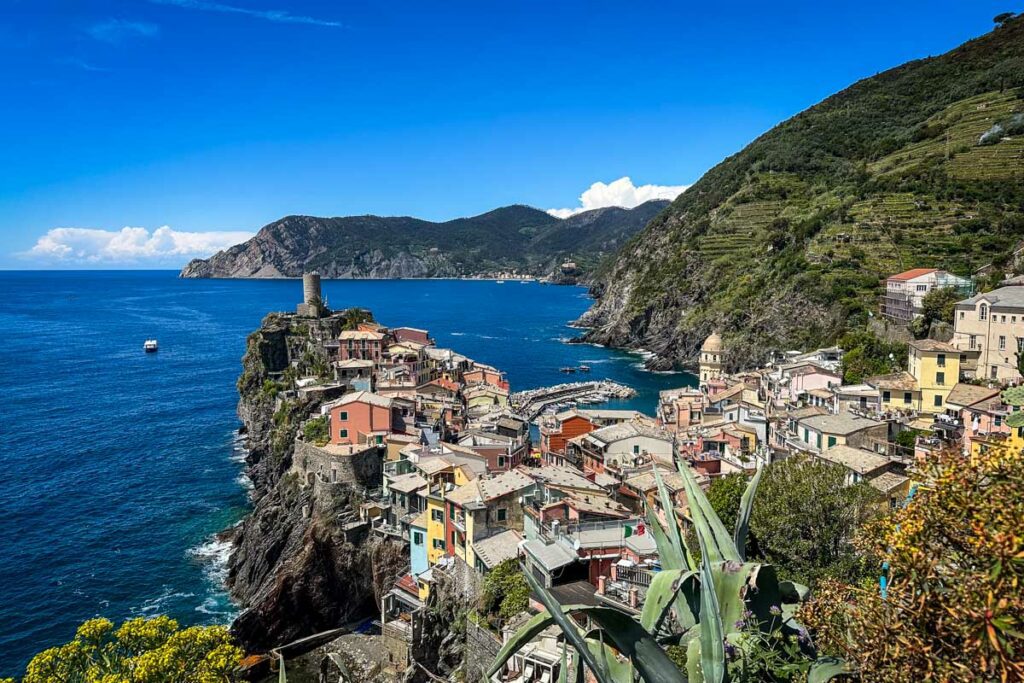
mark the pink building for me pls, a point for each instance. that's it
(798, 379)
(361, 345)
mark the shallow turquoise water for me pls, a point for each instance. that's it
(117, 466)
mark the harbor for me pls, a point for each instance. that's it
(533, 402)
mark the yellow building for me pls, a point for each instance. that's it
(933, 369)
(435, 526)
(936, 367)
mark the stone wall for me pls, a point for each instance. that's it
(363, 469)
(481, 649)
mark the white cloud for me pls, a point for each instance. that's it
(275, 15)
(118, 30)
(621, 192)
(88, 246)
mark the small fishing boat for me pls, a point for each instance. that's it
(567, 370)
(149, 346)
(500, 282)
(584, 368)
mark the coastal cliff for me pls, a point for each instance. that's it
(295, 568)
(512, 238)
(783, 244)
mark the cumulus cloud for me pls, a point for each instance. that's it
(128, 246)
(118, 30)
(621, 192)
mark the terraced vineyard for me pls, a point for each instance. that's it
(785, 243)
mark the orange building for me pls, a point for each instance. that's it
(556, 431)
(360, 417)
(482, 374)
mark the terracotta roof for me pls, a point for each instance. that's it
(494, 550)
(887, 481)
(912, 273)
(842, 423)
(362, 397)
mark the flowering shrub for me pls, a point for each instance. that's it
(954, 608)
(140, 651)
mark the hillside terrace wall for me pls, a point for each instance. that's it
(361, 466)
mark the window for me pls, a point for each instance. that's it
(1002, 343)
(886, 396)
(907, 399)
(941, 359)
(831, 441)
(961, 315)
(502, 514)
(1002, 318)
(438, 543)
(342, 433)
(922, 288)
(973, 342)
(453, 537)
(343, 415)
(437, 515)
(501, 461)
(451, 509)
(940, 378)
(983, 312)
(636, 450)
(938, 400)
(417, 538)
(818, 441)
(994, 373)
(999, 420)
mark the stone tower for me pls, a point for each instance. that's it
(712, 358)
(310, 295)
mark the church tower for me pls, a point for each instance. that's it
(712, 359)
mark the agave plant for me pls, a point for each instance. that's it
(706, 607)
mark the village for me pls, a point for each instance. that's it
(456, 470)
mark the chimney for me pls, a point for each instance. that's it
(600, 585)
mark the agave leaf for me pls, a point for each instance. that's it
(719, 542)
(675, 535)
(794, 592)
(571, 634)
(666, 590)
(712, 634)
(743, 518)
(525, 634)
(827, 668)
(282, 677)
(346, 675)
(668, 554)
(693, 665)
(563, 669)
(621, 671)
(629, 638)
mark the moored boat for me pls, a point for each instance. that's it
(149, 346)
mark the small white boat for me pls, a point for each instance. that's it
(149, 346)
(500, 282)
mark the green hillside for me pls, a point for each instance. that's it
(785, 243)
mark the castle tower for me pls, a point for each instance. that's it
(310, 295)
(311, 288)
(712, 359)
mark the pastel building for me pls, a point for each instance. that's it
(905, 292)
(362, 417)
(990, 326)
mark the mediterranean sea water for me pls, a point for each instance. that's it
(117, 466)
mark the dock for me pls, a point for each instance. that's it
(531, 403)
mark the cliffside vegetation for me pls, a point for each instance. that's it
(517, 238)
(784, 244)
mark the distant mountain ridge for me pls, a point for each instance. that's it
(510, 238)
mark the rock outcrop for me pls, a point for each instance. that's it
(297, 567)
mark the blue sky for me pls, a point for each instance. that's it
(214, 118)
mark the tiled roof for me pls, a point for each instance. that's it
(361, 334)
(562, 476)
(627, 430)
(407, 483)
(964, 395)
(887, 481)
(900, 381)
(496, 549)
(856, 459)
(842, 423)
(362, 397)
(1004, 297)
(550, 556)
(933, 345)
(911, 274)
(503, 484)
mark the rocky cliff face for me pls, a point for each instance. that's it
(294, 568)
(516, 238)
(783, 244)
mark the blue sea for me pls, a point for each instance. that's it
(119, 466)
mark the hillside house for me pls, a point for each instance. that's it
(905, 292)
(991, 325)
